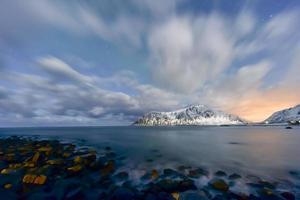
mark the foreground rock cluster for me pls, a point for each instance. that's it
(49, 169)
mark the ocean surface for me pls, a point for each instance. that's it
(271, 152)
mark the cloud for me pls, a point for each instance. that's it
(75, 97)
(234, 62)
(227, 61)
(59, 69)
(192, 50)
(76, 18)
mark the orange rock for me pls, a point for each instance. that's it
(175, 195)
(40, 180)
(29, 178)
(36, 157)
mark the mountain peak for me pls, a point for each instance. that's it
(190, 115)
(285, 116)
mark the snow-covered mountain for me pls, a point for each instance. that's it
(191, 115)
(285, 116)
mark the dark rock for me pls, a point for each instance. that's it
(122, 194)
(183, 168)
(121, 175)
(107, 148)
(111, 154)
(186, 184)
(220, 173)
(170, 172)
(234, 176)
(288, 127)
(288, 196)
(196, 173)
(168, 185)
(191, 195)
(267, 184)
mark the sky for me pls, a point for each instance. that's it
(108, 62)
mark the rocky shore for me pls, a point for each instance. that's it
(51, 169)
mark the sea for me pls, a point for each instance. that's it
(271, 153)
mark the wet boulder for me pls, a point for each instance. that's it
(220, 173)
(220, 185)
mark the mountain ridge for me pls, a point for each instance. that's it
(288, 115)
(190, 115)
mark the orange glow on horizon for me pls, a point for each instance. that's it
(259, 107)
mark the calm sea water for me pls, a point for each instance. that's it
(269, 152)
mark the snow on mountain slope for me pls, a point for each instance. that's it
(191, 115)
(285, 116)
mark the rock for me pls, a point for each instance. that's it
(154, 174)
(89, 158)
(47, 150)
(55, 162)
(75, 168)
(67, 154)
(122, 175)
(267, 184)
(175, 195)
(170, 172)
(36, 157)
(40, 180)
(29, 164)
(186, 184)
(219, 184)
(234, 176)
(29, 178)
(78, 159)
(267, 193)
(196, 173)
(253, 178)
(288, 127)
(15, 166)
(96, 165)
(288, 196)
(168, 185)
(34, 179)
(7, 186)
(108, 168)
(183, 168)
(122, 194)
(220, 173)
(7, 171)
(192, 195)
(111, 154)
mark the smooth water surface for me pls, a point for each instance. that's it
(269, 152)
